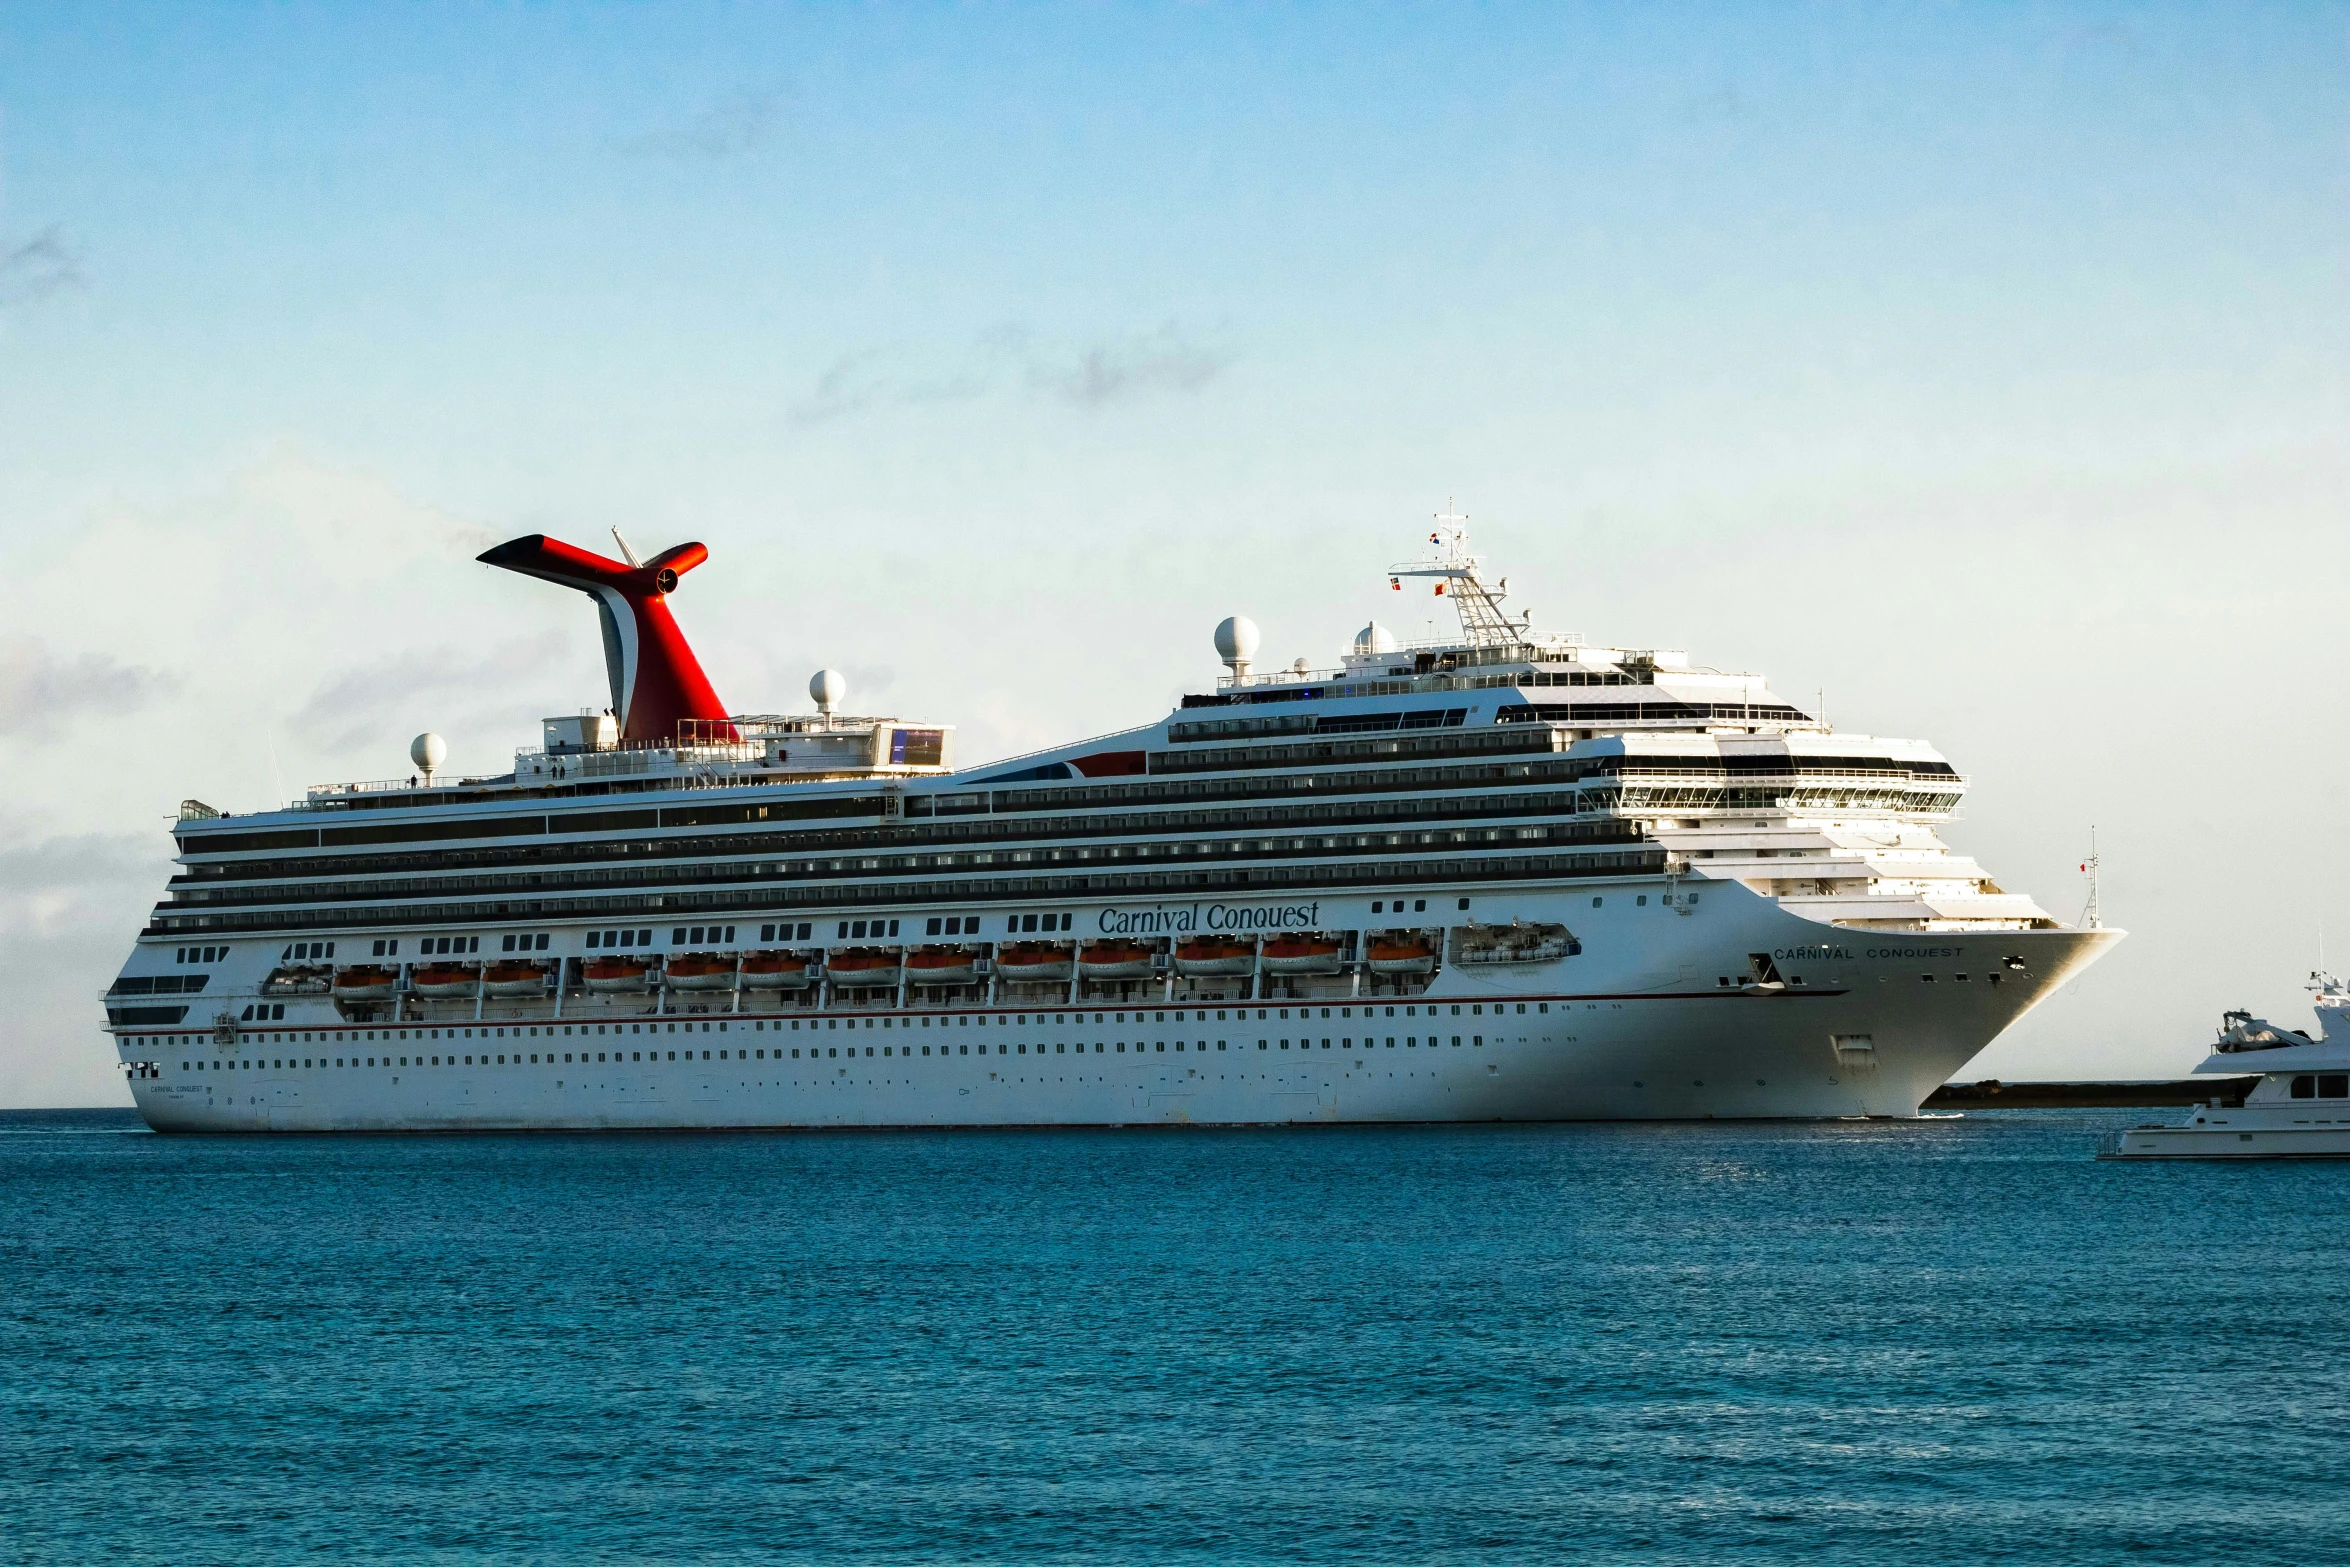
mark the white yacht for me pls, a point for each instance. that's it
(2300, 1109)
(1504, 874)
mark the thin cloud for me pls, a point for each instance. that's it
(39, 267)
(1098, 375)
(41, 693)
(357, 707)
(1163, 362)
(42, 879)
(733, 127)
(861, 380)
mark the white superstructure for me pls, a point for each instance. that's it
(1506, 875)
(2300, 1108)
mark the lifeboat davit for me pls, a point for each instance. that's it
(1211, 955)
(366, 982)
(1302, 955)
(698, 973)
(1114, 960)
(941, 966)
(514, 979)
(1402, 957)
(614, 974)
(777, 971)
(443, 982)
(1035, 963)
(853, 969)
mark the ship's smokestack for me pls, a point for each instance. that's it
(657, 683)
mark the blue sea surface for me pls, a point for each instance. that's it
(1940, 1341)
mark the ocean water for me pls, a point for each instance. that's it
(1952, 1340)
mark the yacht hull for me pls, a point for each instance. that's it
(2230, 1140)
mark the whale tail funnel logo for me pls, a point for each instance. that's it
(657, 683)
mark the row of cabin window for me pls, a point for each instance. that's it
(304, 951)
(1060, 1047)
(2328, 1085)
(439, 946)
(199, 954)
(695, 935)
(267, 1011)
(264, 1012)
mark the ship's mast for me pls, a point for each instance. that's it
(2090, 919)
(1484, 623)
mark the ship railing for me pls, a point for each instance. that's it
(646, 759)
(1549, 649)
(781, 726)
(365, 786)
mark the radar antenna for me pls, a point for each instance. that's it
(1484, 623)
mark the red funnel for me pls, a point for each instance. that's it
(656, 680)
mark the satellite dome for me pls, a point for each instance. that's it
(428, 751)
(1374, 638)
(826, 687)
(1236, 642)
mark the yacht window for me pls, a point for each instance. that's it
(2305, 1087)
(2334, 1085)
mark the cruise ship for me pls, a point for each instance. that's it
(1498, 875)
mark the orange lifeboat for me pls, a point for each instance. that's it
(443, 982)
(776, 971)
(941, 966)
(1402, 957)
(365, 982)
(614, 974)
(857, 968)
(1034, 963)
(1302, 955)
(1114, 960)
(514, 979)
(1215, 955)
(696, 972)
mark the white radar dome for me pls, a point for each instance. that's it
(827, 687)
(428, 751)
(1236, 642)
(1374, 638)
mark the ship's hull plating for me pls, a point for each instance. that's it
(1651, 1035)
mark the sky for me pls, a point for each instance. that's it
(1978, 369)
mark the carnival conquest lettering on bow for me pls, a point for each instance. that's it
(1174, 919)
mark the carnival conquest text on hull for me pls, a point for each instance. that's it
(1500, 876)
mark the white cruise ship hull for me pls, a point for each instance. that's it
(1638, 1027)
